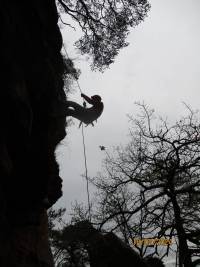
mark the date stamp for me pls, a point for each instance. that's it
(151, 242)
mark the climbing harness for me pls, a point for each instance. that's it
(84, 149)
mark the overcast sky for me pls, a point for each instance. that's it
(161, 67)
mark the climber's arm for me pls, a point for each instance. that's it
(88, 99)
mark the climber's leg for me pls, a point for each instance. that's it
(75, 110)
(75, 106)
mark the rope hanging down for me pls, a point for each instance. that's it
(86, 175)
(84, 151)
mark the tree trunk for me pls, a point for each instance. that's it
(184, 253)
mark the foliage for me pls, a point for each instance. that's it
(105, 25)
(80, 245)
(55, 218)
(70, 75)
(65, 253)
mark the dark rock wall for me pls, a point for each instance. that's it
(32, 116)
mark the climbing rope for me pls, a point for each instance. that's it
(86, 174)
(84, 151)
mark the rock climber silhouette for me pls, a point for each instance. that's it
(83, 114)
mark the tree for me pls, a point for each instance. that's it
(161, 163)
(55, 221)
(65, 253)
(80, 244)
(105, 25)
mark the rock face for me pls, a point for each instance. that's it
(32, 115)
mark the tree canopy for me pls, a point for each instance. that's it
(151, 187)
(105, 25)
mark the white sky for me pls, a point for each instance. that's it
(161, 66)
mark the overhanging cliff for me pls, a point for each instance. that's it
(32, 111)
